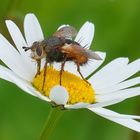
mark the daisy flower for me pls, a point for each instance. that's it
(109, 85)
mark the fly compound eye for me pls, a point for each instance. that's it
(38, 51)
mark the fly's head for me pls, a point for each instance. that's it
(37, 51)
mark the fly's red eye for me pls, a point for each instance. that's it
(38, 51)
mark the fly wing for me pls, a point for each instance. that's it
(66, 31)
(93, 55)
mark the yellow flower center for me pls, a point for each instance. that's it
(78, 89)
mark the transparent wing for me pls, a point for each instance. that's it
(93, 55)
(66, 32)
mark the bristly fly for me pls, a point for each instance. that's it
(61, 48)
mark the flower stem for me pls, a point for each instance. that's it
(51, 122)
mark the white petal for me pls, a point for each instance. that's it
(92, 65)
(122, 94)
(86, 70)
(122, 119)
(109, 113)
(102, 77)
(116, 76)
(59, 95)
(57, 65)
(77, 106)
(6, 73)
(16, 36)
(10, 56)
(32, 29)
(37, 93)
(85, 35)
(10, 76)
(120, 86)
(43, 61)
(19, 42)
(104, 104)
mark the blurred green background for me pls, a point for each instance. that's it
(117, 32)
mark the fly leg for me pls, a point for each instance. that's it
(38, 67)
(78, 69)
(62, 69)
(45, 71)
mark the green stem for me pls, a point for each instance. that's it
(51, 122)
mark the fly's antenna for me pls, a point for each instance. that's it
(26, 48)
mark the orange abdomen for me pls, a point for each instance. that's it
(75, 53)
